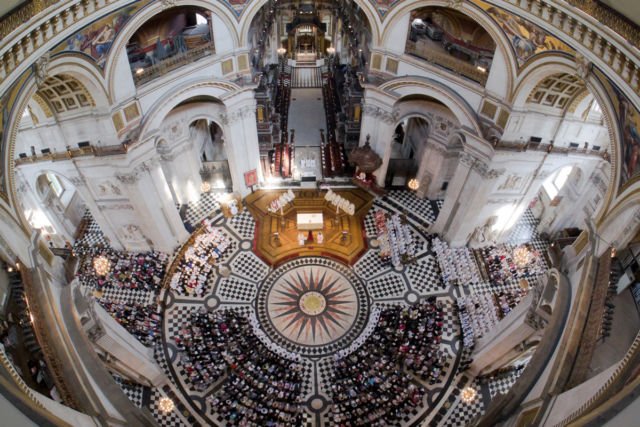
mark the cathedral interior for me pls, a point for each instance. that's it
(320, 213)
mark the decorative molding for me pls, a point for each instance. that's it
(609, 18)
(116, 207)
(389, 117)
(231, 117)
(583, 66)
(455, 4)
(166, 4)
(128, 179)
(467, 159)
(78, 181)
(41, 69)
(96, 332)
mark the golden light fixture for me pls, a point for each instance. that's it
(521, 256)
(101, 265)
(413, 184)
(205, 187)
(166, 405)
(468, 394)
(281, 51)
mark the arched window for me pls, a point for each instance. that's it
(554, 184)
(54, 183)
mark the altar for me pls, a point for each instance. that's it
(310, 221)
(309, 225)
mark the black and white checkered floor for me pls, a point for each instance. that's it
(385, 286)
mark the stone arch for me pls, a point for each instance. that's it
(83, 70)
(254, 7)
(404, 86)
(60, 213)
(621, 224)
(73, 65)
(194, 89)
(147, 13)
(545, 65)
(466, 8)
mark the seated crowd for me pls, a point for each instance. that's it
(261, 387)
(195, 267)
(142, 321)
(375, 385)
(143, 271)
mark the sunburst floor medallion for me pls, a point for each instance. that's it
(313, 306)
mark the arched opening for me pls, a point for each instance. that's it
(407, 149)
(451, 40)
(170, 39)
(56, 209)
(214, 172)
(557, 114)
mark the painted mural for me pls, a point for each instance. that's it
(236, 6)
(526, 38)
(628, 121)
(96, 39)
(384, 6)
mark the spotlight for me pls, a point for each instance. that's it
(468, 394)
(166, 405)
(521, 256)
(139, 71)
(102, 265)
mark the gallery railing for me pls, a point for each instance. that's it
(108, 150)
(146, 74)
(423, 51)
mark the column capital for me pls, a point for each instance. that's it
(128, 178)
(480, 166)
(78, 181)
(389, 117)
(231, 117)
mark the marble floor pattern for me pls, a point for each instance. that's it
(380, 286)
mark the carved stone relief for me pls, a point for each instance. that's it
(512, 182)
(132, 233)
(108, 188)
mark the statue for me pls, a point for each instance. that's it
(484, 235)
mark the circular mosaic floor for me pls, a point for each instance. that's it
(308, 309)
(312, 306)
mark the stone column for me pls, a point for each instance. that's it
(378, 122)
(181, 166)
(105, 223)
(155, 222)
(241, 139)
(466, 195)
(431, 169)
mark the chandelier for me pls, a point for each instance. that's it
(205, 187)
(413, 184)
(101, 265)
(166, 405)
(468, 394)
(521, 256)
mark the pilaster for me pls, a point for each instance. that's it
(467, 193)
(239, 126)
